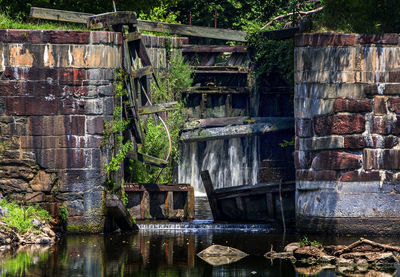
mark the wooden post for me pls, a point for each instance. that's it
(208, 185)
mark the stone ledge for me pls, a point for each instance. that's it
(373, 226)
(324, 39)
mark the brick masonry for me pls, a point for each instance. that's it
(56, 90)
(347, 109)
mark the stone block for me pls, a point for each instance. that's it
(94, 125)
(382, 89)
(352, 105)
(334, 160)
(302, 159)
(13, 185)
(355, 142)
(339, 124)
(380, 105)
(377, 141)
(43, 181)
(324, 40)
(34, 197)
(312, 175)
(385, 125)
(360, 176)
(388, 159)
(75, 208)
(77, 180)
(31, 105)
(330, 142)
(72, 106)
(394, 104)
(379, 38)
(63, 158)
(66, 37)
(304, 127)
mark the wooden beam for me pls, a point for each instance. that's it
(208, 186)
(151, 26)
(147, 159)
(157, 108)
(133, 36)
(141, 72)
(117, 210)
(59, 15)
(274, 124)
(218, 90)
(150, 187)
(111, 19)
(213, 49)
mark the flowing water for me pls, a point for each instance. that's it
(231, 162)
(157, 253)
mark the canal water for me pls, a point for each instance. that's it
(158, 253)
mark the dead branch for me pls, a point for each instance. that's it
(290, 14)
(370, 242)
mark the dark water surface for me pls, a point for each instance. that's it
(157, 253)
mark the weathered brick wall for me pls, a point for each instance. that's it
(56, 90)
(347, 109)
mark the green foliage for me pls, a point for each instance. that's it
(113, 129)
(10, 23)
(361, 16)
(19, 264)
(272, 59)
(287, 143)
(305, 242)
(21, 217)
(176, 79)
(63, 213)
(160, 13)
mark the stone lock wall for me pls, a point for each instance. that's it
(56, 90)
(347, 110)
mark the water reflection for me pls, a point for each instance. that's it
(150, 253)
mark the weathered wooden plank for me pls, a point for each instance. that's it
(139, 187)
(141, 72)
(157, 108)
(208, 186)
(59, 15)
(273, 124)
(221, 68)
(110, 19)
(213, 49)
(147, 159)
(117, 210)
(225, 121)
(132, 36)
(190, 30)
(152, 26)
(218, 90)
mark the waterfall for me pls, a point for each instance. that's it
(231, 162)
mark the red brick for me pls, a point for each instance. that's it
(78, 125)
(363, 176)
(72, 75)
(379, 38)
(394, 76)
(352, 105)
(302, 159)
(380, 105)
(311, 175)
(394, 104)
(24, 36)
(354, 142)
(385, 125)
(339, 124)
(304, 127)
(324, 40)
(384, 142)
(381, 158)
(66, 37)
(31, 105)
(332, 160)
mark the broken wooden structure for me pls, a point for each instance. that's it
(160, 201)
(253, 203)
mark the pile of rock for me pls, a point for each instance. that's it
(361, 256)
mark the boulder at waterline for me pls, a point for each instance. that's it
(219, 255)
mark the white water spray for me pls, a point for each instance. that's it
(231, 162)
